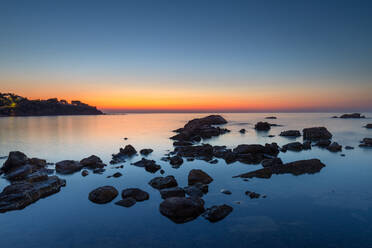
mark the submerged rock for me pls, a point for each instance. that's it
(196, 190)
(316, 133)
(103, 194)
(198, 176)
(252, 194)
(300, 167)
(349, 148)
(163, 182)
(182, 209)
(290, 133)
(262, 126)
(68, 167)
(217, 213)
(352, 116)
(225, 191)
(127, 202)
(172, 192)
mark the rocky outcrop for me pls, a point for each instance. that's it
(316, 133)
(103, 194)
(262, 126)
(163, 182)
(310, 166)
(217, 213)
(182, 209)
(199, 176)
(352, 116)
(14, 105)
(366, 142)
(199, 128)
(290, 133)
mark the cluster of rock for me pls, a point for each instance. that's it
(71, 166)
(127, 151)
(29, 181)
(351, 116)
(200, 128)
(14, 105)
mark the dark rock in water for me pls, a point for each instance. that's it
(149, 165)
(176, 161)
(335, 117)
(172, 192)
(196, 190)
(252, 194)
(103, 194)
(253, 154)
(181, 209)
(15, 160)
(352, 116)
(92, 162)
(204, 151)
(300, 167)
(182, 143)
(117, 174)
(68, 166)
(290, 133)
(163, 182)
(262, 126)
(146, 152)
(37, 162)
(127, 202)
(199, 128)
(125, 138)
(272, 162)
(217, 213)
(242, 131)
(128, 150)
(323, 143)
(190, 159)
(368, 126)
(135, 193)
(84, 173)
(225, 191)
(270, 136)
(213, 161)
(271, 118)
(98, 171)
(306, 145)
(316, 133)
(293, 146)
(162, 172)
(342, 155)
(198, 176)
(117, 160)
(19, 173)
(349, 147)
(334, 147)
(366, 142)
(20, 194)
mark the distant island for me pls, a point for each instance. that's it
(15, 105)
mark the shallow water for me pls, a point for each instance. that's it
(328, 209)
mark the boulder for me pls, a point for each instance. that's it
(293, 146)
(68, 166)
(92, 162)
(127, 202)
(146, 152)
(334, 147)
(262, 126)
(176, 161)
(172, 192)
(135, 193)
(300, 167)
(128, 151)
(323, 143)
(316, 133)
(149, 165)
(290, 133)
(163, 182)
(182, 209)
(352, 116)
(217, 213)
(84, 173)
(103, 194)
(198, 176)
(15, 160)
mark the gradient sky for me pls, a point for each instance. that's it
(190, 55)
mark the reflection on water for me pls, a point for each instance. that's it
(328, 209)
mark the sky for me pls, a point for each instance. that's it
(192, 55)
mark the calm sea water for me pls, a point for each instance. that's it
(332, 208)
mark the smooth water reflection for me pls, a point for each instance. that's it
(328, 209)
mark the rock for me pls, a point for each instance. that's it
(92, 162)
(198, 176)
(117, 174)
(323, 143)
(366, 142)
(125, 138)
(300, 167)
(271, 118)
(225, 191)
(127, 202)
(149, 165)
(271, 162)
(176, 161)
(213, 161)
(98, 171)
(128, 151)
(20, 194)
(204, 151)
(84, 173)
(37, 162)
(196, 190)
(217, 213)
(253, 154)
(135, 193)
(199, 128)
(270, 136)
(162, 172)
(242, 131)
(334, 147)
(316, 133)
(68, 166)
(306, 145)
(172, 192)
(349, 147)
(293, 146)
(352, 116)
(252, 195)
(181, 209)
(163, 182)
(146, 152)
(368, 126)
(182, 143)
(15, 160)
(103, 194)
(342, 155)
(19, 173)
(262, 126)
(290, 133)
